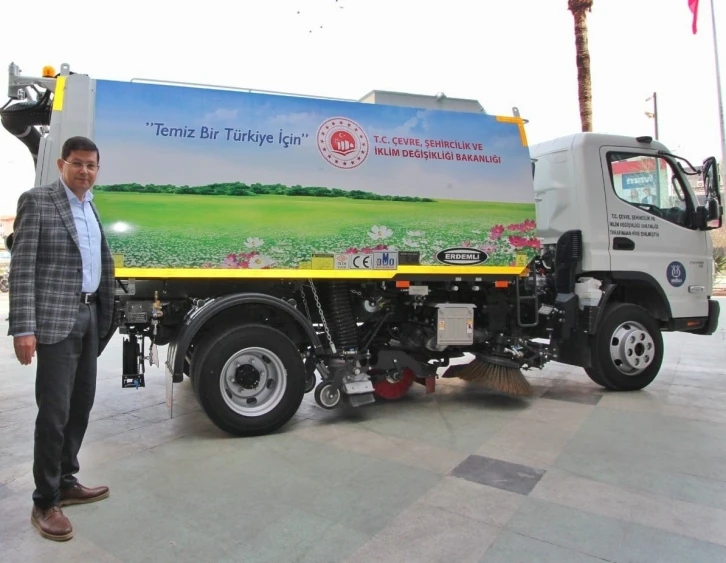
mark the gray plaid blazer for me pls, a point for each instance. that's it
(46, 269)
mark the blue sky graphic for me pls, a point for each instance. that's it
(132, 152)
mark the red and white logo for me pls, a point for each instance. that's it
(342, 142)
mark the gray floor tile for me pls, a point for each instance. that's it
(667, 456)
(696, 397)
(458, 421)
(649, 400)
(475, 501)
(585, 396)
(511, 547)
(170, 531)
(544, 412)
(704, 414)
(355, 438)
(630, 477)
(5, 491)
(500, 474)
(20, 542)
(608, 538)
(424, 533)
(677, 517)
(246, 487)
(527, 443)
(301, 537)
(190, 518)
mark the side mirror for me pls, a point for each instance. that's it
(709, 176)
(714, 214)
(713, 209)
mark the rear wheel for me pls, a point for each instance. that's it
(250, 379)
(628, 349)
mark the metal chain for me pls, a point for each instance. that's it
(322, 317)
(305, 302)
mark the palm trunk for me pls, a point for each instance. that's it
(583, 68)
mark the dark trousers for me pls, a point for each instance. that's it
(65, 388)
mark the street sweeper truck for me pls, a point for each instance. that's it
(283, 244)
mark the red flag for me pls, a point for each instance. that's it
(693, 6)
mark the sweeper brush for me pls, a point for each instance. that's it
(493, 372)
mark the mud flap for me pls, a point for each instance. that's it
(711, 325)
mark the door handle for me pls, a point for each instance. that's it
(623, 243)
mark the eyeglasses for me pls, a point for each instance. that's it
(80, 165)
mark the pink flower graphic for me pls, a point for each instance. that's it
(523, 227)
(496, 232)
(366, 250)
(240, 260)
(524, 242)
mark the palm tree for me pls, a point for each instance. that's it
(579, 9)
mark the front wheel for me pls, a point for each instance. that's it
(628, 349)
(250, 379)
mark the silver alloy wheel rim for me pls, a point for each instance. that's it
(329, 396)
(253, 394)
(632, 348)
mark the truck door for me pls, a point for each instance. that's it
(649, 207)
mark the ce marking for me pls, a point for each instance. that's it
(361, 261)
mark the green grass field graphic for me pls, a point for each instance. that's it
(171, 230)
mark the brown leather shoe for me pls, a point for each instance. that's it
(52, 523)
(82, 495)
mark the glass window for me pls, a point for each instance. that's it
(652, 184)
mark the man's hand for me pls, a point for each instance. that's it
(25, 348)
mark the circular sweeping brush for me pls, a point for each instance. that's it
(493, 372)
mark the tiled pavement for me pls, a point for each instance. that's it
(576, 474)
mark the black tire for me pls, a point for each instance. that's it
(310, 382)
(637, 345)
(310, 377)
(595, 376)
(282, 369)
(325, 397)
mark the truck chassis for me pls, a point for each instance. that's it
(252, 349)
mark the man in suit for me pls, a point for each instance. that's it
(647, 197)
(62, 308)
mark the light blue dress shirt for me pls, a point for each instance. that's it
(89, 239)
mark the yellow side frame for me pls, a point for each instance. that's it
(305, 273)
(59, 94)
(520, 122)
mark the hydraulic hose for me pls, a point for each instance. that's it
(22, 118)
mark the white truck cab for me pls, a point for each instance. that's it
(644, 235)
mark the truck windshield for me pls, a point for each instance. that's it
(653, 183)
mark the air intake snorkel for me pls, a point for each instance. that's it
(29, 107)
